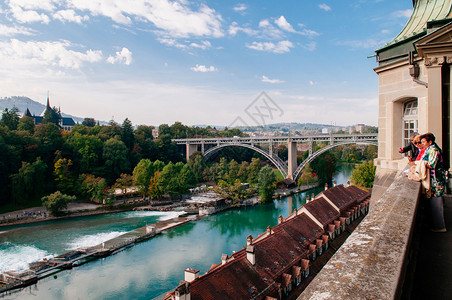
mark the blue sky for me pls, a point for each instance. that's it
(198, 62)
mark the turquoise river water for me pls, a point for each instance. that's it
(146, 270)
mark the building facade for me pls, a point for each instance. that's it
(414, 71)
(64, 123)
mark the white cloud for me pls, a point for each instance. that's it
(269, 31)
(240, 7)
(48, 54)
(311, 82)
(203, 69)
(268, 80)
(283, 24)
(69, 15)
(125, 57)
(172, 43)
(280, 47)
(172, 18)
(47, 5)
(203, 45)
(402, 13)
(29, 16)
(324, 7)
(15, 30)
(234, 29)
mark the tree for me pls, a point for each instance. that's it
(63, 175)
(197, 165)
(29, 182)
(243, 171)
(56, 202)
(10, 118)
(154, 189)
(51, 115)
(142, 174)
(115, 157)
(93, 187)
(233, 171)
(266, 182)
(253, 170)
(89, 122)
(307, 177)
(364, 174)
(186, 178)
(123, 182)
(26, 124)
(127, 135)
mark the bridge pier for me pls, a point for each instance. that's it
(190, 149)
(292, 159)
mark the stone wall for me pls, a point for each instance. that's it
(371, 263)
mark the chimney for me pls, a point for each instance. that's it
(250, 255)
(318, 244)
(191, 274)
(182, 292)
(295, 211)
(305, 267)
(326, 186)
(224, 259)
(269, 230)
(280, 219)
(307, 198)
(348, 183)
(249, 240)
(331, 229)
(312, 196)
(334, 182)
(325, 242)
(311, 252)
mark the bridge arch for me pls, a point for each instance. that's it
(316, 154)
(275, 160)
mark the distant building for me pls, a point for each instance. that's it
(64, 123)
(414, 71)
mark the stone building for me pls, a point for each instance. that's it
(414, 71)
(64, 123)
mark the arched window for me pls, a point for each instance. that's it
(410, 120)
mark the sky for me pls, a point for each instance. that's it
(213, 62)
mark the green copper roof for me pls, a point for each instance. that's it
(424, 11)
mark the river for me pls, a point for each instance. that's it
(147, 269)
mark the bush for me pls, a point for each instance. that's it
(56, 202)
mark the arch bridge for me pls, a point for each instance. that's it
(289, 169)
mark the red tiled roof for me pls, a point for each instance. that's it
(234, 280)
(322, 210)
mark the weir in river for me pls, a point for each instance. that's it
(153, 267)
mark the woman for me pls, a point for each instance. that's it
(433, 157)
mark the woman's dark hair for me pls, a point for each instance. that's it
(429, 137)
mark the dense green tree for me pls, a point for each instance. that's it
(364, 174)
(266, 183)
(155, 190)
(371, 152)
(10, 118)
(142, 174)
(89, 122)
(113, 130)
(144, 142)
(115, 156)
(187, 178)
(123, 182)
(223, 169)
(127, 135)
(197, 164)
(243, 171)
(64, 176)
(233, 169)
(253, 170)
(307, 176)
(87, 149)
(93, 187)
(51, 115)
(324, 166)
(26, 124)
(56, 202)
(28, 184)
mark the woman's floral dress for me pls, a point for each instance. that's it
(437, 174)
